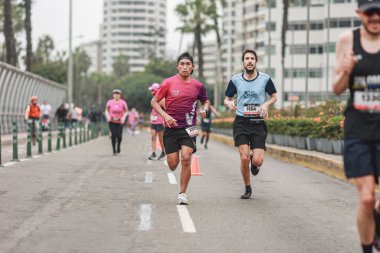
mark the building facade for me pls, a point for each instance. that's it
(134, 28)
(251, 24)
(94, 51)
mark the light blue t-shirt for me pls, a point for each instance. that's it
(250, 91)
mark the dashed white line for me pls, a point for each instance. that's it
(148, 177)
(9, 164)
(145, 217)
(172, 179)
(186, 221)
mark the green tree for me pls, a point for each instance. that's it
(121, 66)
(44, 51)
(82, 63)
(28, 31)
(55, 71)
(10, 41)
(162, 68)
(195, 16)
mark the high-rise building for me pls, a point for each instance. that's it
(94, 51)
(250, 24)
(134, 28)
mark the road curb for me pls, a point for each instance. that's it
(312, 161)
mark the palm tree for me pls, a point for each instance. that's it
(10, 41)
(214, 15)
(28, 30)
(195, 16)
(283, 41)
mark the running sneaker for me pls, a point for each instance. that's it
(182, 199)
(161, 156)
(206, 146)
(247, 194)
(152, 156)
(254, 169)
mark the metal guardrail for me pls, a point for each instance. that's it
(16, 87)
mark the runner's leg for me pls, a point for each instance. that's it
(365, 220)
(113, 136)
(154, 138)
(119, 130)
(258, 156)
(186, 153)
(244, 163)
(161, 138)
(173, 160)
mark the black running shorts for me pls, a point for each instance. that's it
(174, 138)
(361, 157)
(157, 127)
(249, 132)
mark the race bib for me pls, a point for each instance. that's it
(206, 121)
(252, 110)
(192, 131)
(115, 119)
(153, 117)
(368, 101)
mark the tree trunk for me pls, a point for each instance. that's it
(198, 35)
(10, 41)
(283, 45)
(28, 30)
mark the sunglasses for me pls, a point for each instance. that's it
(371, 12)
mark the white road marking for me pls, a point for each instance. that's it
(172, 179)
(8, 164)
(145, 217)
(166, 162)
(36, 156)
(11, 240)
(186, 221)
(148, 177)
(24, 159)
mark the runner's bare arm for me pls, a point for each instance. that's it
(205, 108)
(229, 103)
(344, 62)
(169, 120)
(269, 102)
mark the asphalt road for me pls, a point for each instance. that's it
(87, 200)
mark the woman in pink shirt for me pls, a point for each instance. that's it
(157, 126)
(116, 112)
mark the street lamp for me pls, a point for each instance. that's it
(70, 64)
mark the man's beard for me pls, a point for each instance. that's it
(249, 71)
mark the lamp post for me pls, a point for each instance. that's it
(307, 54)
(70, 64)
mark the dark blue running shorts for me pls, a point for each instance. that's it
(361, 157)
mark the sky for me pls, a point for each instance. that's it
(51, 17)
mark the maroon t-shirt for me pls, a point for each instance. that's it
(181, 99)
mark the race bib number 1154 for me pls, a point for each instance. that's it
(367, 101)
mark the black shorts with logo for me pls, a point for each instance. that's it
(174, 138)
(157, 127)
(250, 132)
(361, 157)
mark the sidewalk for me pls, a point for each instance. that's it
(331, 165)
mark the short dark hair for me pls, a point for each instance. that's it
(185, 55)
(248, 51)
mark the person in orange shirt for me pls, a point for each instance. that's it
(32, 115)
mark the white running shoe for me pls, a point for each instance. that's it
(182, 199)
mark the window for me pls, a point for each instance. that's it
(271, 27)
(271, 50)
(316, 25)
(301, 72)
(330, 48)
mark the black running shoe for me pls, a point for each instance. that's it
(254, 169)
(247, 194)
(206, 146)
(376, 242)
(152, 156)
(202, 139)
(161, 156)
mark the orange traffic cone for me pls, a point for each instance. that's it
(195, 171)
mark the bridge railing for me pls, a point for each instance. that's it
(16, 88)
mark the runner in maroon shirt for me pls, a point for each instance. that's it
(181, 93)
